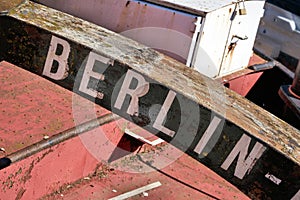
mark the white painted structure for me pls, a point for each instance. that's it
(211, 36)
(279, 34)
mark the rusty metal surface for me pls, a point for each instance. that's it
(255, 60)
(31, 108)
(290, 100)
(242, 81)
(143, 22)
(32, 25)
(30, 178)
(296, 83)
(17, 98)
(241, 37)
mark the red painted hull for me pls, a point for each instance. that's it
(46, 109)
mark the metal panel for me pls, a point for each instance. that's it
(167, 30)
(195, 6)
(213, 39)
(227, 39)
(266, 147)
(241, 38)
(279, 30)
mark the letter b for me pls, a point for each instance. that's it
(62, 59)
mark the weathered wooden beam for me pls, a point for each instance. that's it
(249, 147)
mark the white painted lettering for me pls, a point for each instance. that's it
(158, 124)
(88, 73)
(297, 196)
(140, 90)
(208, 134)
(62, 59)
(241, 148)
(273, 178)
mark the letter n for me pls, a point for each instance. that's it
(241, 148)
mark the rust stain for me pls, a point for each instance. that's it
(20, 194)
(121, 26)
(10, 181)
(27, 173)
(21, 176)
